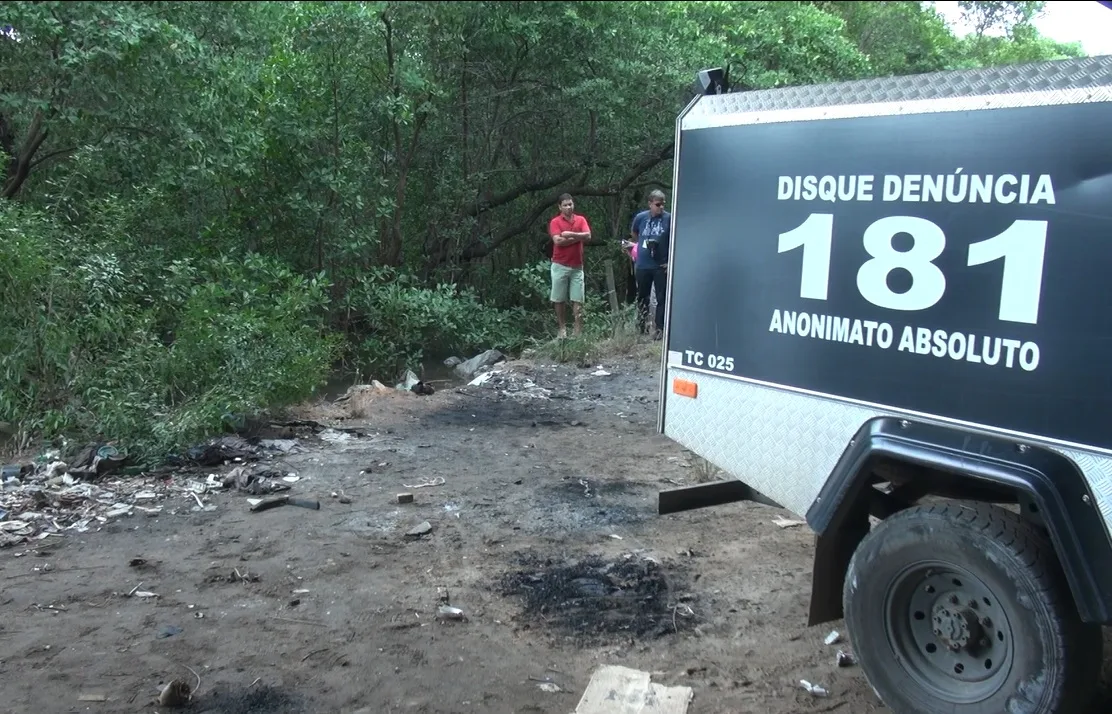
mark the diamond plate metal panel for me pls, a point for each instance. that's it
(785, 444)
(780, 443)
(1057, 82)
(1098, 472)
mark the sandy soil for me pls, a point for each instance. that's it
(544, 533)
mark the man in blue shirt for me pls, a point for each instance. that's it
(651, 233)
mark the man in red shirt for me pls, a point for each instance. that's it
(569, 231)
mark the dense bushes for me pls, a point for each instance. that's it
(101, 341)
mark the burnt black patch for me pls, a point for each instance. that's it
(594, 599)
(260, 699)
(598, 490)
(495, 410)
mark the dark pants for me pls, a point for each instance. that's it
(647, 279)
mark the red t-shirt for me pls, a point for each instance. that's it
(568, 255)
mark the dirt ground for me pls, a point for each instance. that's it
(544, 533)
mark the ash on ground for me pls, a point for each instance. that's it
(260, 699)
(592, 599)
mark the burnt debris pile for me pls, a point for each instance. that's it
(593, 598)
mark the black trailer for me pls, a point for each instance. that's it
(890, 311)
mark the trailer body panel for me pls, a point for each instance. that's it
(806, 299)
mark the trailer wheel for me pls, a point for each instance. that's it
(963, 609)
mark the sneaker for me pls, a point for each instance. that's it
(658, 335)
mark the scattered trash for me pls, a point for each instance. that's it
(405, 498)
(246, 576)
(268, 504)
(481, 379)
(92, 698)
(550, 687)
(634, 690)
(833, 638)
(176, 693)
(600, 372)
(409, 381)
(220, 451)
(846, 659)
(508, 383)
(470, 368)
(782, 522)
(419, 530)
(447, 612)
(335, 436)
(426, 483)
(53, 497)
(255, 481)
(814, 689)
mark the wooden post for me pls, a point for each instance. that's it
(611, 290)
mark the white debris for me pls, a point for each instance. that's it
(814, 689)
(334, 436)
(481, 379)
(47, 498)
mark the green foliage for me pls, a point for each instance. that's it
(999, 15)
(404, 322)
(898, 37)
(99, 346)
(1023, 44)
(204, 204)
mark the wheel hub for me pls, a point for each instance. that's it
(951, 633)
(957, 627)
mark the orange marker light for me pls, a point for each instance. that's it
(685, 388)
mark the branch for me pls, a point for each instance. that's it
(50, 155)
(20, 166)
(94, 142)
(518, 191)
(479, 250)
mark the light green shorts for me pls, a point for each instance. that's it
(567, 283)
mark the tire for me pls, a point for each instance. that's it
(976, 578)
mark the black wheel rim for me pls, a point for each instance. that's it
(949, 632)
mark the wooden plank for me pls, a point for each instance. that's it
(611, 287)
(621, 690)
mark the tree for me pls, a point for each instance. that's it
(988, 16)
